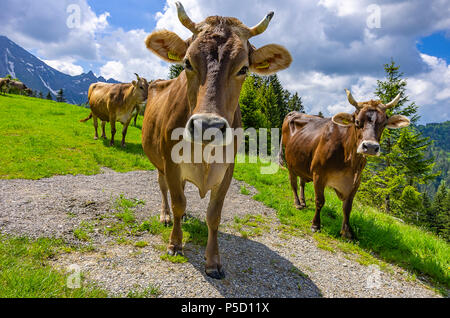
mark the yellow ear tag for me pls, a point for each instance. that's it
(263, 65)
(173, 56)
(346, 122)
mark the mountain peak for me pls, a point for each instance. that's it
(39, 76)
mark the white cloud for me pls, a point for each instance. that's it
(66, 66)
(331, 44)
(127, 54)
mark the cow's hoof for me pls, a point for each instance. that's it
(95, 138)
(315, 228)
(165, 221)
(300, 206)
(215, 273)
(123, 146)
(175, 251)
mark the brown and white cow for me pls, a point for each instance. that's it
(205, 96)
(332, 152)
(115, 102)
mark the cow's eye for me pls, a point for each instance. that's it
(357, 123)
(188, 65)
(243, 71)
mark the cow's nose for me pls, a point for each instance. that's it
(370, 148)
(205, 129)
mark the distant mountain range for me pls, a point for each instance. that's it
(40, 77)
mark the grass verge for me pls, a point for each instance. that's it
(25, 273)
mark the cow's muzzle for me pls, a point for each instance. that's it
(369, 148)
(208, 129)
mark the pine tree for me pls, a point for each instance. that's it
(41, 95)
(409, 154)
(441, 209)
(175, 71)
(252, 117)
(320, 114)
(295, 104)
(49, 96)
(60, 97)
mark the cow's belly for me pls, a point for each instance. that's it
(204, 176)
(343, 182)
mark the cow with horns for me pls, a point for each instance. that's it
(205, 97)
(332, 152)
(115, 102)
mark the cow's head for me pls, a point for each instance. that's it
(141, 87)
(370, 120)
(217, 59)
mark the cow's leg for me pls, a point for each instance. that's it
(135, 118)
(112, 121)
(104, 129)
(319, 189)
(176, 190)
(95, 120)
(302, 194)
(294, 185)
(124, 132)
(165, 209)
(346, 231)
(213, 266)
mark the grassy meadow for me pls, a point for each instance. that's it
(41, 138)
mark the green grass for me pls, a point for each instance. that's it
(149, 292)
(376, 233)
(177, 259)
(24, 271)
(41, 138)
(194, 230)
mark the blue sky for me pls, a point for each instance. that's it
(130, 14)
(436, 44)
(332, 42)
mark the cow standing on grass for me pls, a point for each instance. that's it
(205, 97)
(20, 87)
(332, 152)
(115, 102)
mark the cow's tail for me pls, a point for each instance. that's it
(281, 160)
(86, 119)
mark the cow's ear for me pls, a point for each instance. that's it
(343, 119)
(134, 83)
(397, 121)
(270, 59)
(167, 45)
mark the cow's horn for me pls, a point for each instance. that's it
(138, 78)
(184, 18)
(351, 100)
(261, 26)
(394, 102)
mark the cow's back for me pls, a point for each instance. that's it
(302, 136)
(105, 98)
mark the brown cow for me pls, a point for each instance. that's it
(115, 102)
(332, 152)
(21, 87)
(4, 85)
(204, 97)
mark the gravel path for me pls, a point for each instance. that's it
(270, 265)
